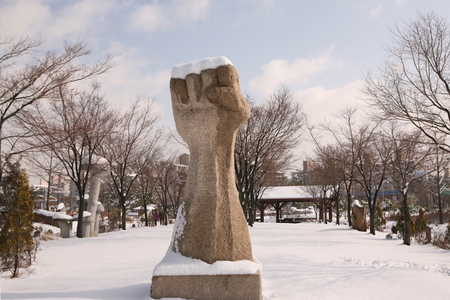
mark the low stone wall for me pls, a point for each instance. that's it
(44, 219)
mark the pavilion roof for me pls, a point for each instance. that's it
(293, 192)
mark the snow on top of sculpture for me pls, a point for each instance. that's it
(197, 66)
(357, 203)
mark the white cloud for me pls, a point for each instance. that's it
(191, 10)
(320, 103)
(133, 76)
(267, 6)
(81, 17)
(281, 71)
(34, 18)
(23, 17)
(149, 18)
(400, 2)
(152, 17)
(377, 10)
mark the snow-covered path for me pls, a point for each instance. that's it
(300, 261)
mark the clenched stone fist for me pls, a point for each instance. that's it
(208, 110)
(208, 103)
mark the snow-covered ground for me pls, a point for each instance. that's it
(300, 261)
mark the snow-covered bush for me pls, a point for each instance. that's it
(113, 220)
(420, 227)
(441, 238)
(48, 236)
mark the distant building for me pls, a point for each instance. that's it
(308, 167)
(59, 188)
(184, 159)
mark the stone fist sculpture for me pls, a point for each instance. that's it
(208, 110)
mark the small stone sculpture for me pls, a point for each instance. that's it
(208, 110)
(359, 216)
(90, 229)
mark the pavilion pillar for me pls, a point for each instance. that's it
(262, 207)
(277, 211)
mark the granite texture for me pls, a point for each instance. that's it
(208, 110)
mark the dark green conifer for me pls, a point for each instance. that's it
(380, 220)
(16, 237)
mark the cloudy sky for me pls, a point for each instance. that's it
(319, 49)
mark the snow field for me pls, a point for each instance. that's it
(300, 261)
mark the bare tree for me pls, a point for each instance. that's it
(46, 167)
(406, 165)
(73, 127)
(330, 172)
(373, 152)
(368, 153)
(146, 189)
(130, 148)
(263, 146)
(343, 133)
(414, 83)
(26, 77)
(439, 161)
(170, 180)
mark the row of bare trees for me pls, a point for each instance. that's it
(264, 147)
(27, 79)
(160, 182)
(53, 113)
(361, 158)
(409, 105)
(86, 136)
(413, 85)
(402, 145)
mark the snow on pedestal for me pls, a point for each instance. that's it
(175, 264)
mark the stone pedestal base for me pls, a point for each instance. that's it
(208, 287)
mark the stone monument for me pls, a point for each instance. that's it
(210, 255)
(359, 216)
(93, 206)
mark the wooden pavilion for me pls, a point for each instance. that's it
(279, 196)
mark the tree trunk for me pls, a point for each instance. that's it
(124, 214)
(441, 215)
(438, 183)
(406, 227)
(80, 218)
(145, 214)
(15, 272)
(349, 208)
(49, 183)
(337, 211)
(252, 210)
(372, 218)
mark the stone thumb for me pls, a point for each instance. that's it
(222, 97)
